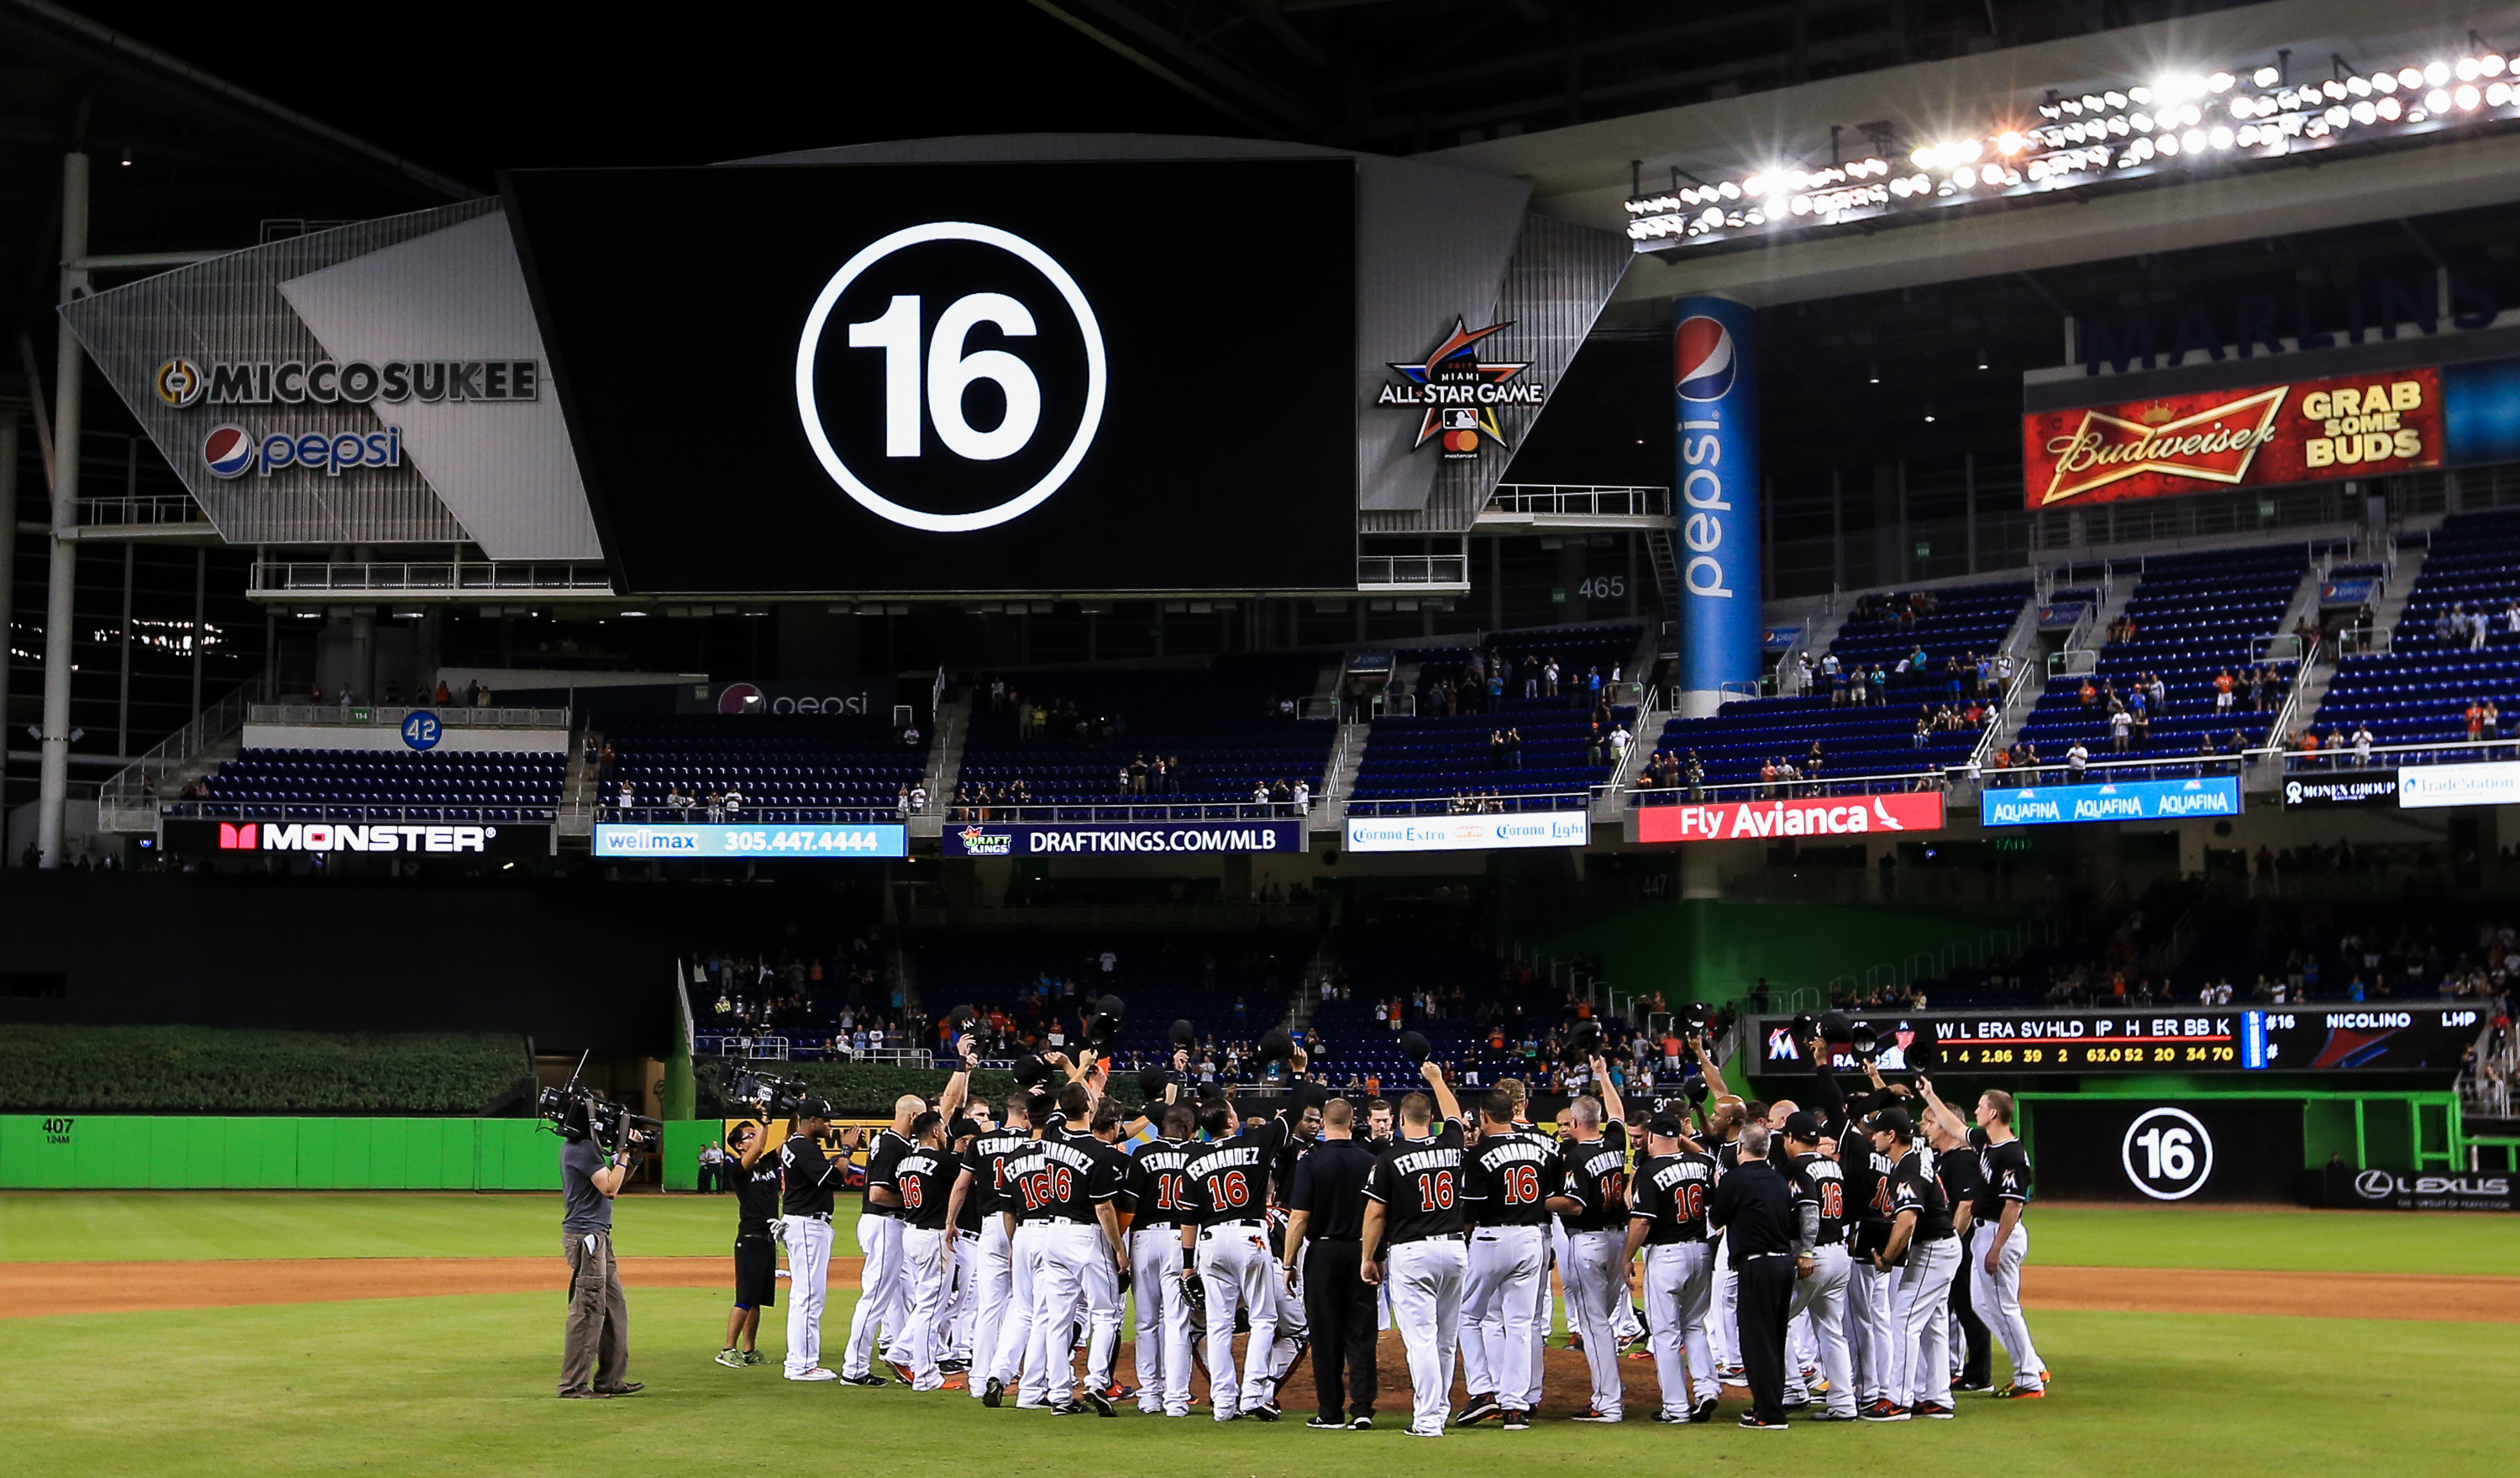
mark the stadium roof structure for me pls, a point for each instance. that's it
(183, 161)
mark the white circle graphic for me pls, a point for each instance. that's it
(2179, 1155)
(1096, 375)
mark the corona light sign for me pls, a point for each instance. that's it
(2170, 445)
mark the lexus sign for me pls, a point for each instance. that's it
(1776, 820)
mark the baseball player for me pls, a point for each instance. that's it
(1594, 1203)
(1074, 1180)
(967, 1218)
(1921, 1248)
(1667, 1219)
(1303, 1128)
(883, 1291)
(1414, 1238)
(1726, 1116)
(1224, 1245)
(1016, 1363)
(1153, 1196)
(1957, 1171)
(1820, 1295)
(985, 1184)
(755, 1178)
(1994, 1269)
(924, 1179)
(807, 1180)
(1509, 1176)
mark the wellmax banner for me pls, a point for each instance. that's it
(2118, 801)
(1715, 404)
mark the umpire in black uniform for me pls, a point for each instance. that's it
(1328, 1206)
(1754, 1208)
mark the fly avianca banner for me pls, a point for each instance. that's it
(2306, 431)
(1825, 817)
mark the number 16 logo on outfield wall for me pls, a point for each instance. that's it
(2167, 1154)
(969, 382)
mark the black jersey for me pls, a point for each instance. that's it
(1507, 1179)
(1227, 1180)
(1064, 1177)
(990, 1154)
(1964, 1182)
(976, 1210)
(1419, 1183)
(1671, 1191)
(1281, 1174)
(1820, 1182)
(1868, 1191)
(1154, 1189)
(807, 1177)
(2006, 1168)
(756, 1195)
(1913, 1188)
(925, 1178)
(1597, 1175)
(884, 1154)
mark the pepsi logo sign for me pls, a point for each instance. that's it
(1702, 359)
(229, 450)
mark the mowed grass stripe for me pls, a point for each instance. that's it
(464, 1384)
(180, 1225)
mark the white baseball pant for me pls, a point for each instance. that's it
(1921, 1316)
(1234, 1265)
(1018, 1365)
(1871, 1345)
(1593, 1294)
(1996, 1298)
(991, 1284)
(1294, 1327)
(809, 1268)
(928, 1271)
(1725, 1333)
(1102, 1276)
(1163, 1320)
(880, 1293)
(954, 1325)
(1063, 1297)
(1679, 1288)
(1820, 1301)
(1505, 1314)
(1427, 1280)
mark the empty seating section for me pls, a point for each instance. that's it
(440, 785)
(2418, 691)
(787, 767)
(1221, 724)
(1867, 740)
(1450, 747)
(2196, 617)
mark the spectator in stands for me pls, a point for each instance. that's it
(628, 798)
(2361, 744)
(2077, 759)
(2121, 727)
(1303, 797)
(2225, 684)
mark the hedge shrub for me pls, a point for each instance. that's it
(203, 1070)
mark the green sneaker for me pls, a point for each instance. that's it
(731, 1358)
(755, 1357)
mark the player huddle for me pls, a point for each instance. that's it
(994, 1251)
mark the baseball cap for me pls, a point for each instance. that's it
(1803, 1125)
(1894, 1121)
(813, 1108)
(1667, 1125)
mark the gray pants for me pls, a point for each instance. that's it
(594, 1354)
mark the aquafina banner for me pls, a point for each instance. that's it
(1715, 402)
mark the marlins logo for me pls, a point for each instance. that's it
(179, 382)
(1702, 359)
(229, 452)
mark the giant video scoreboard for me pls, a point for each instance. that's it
(2363, 1038)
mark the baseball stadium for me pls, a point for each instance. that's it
(949, 738)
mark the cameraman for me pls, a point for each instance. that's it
(756, 1179)
(595, 1353)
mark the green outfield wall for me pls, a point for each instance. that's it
(170, 1152)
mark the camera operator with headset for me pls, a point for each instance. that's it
(594, 1352)
(756, 1179)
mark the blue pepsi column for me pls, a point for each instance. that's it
(1715, 398)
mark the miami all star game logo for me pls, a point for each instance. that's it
(1458, 393)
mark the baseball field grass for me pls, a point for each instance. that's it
(462, 1384)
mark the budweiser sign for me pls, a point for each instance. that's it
(2173, 445)
(1771, 821)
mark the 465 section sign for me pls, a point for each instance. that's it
(2170, 446)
